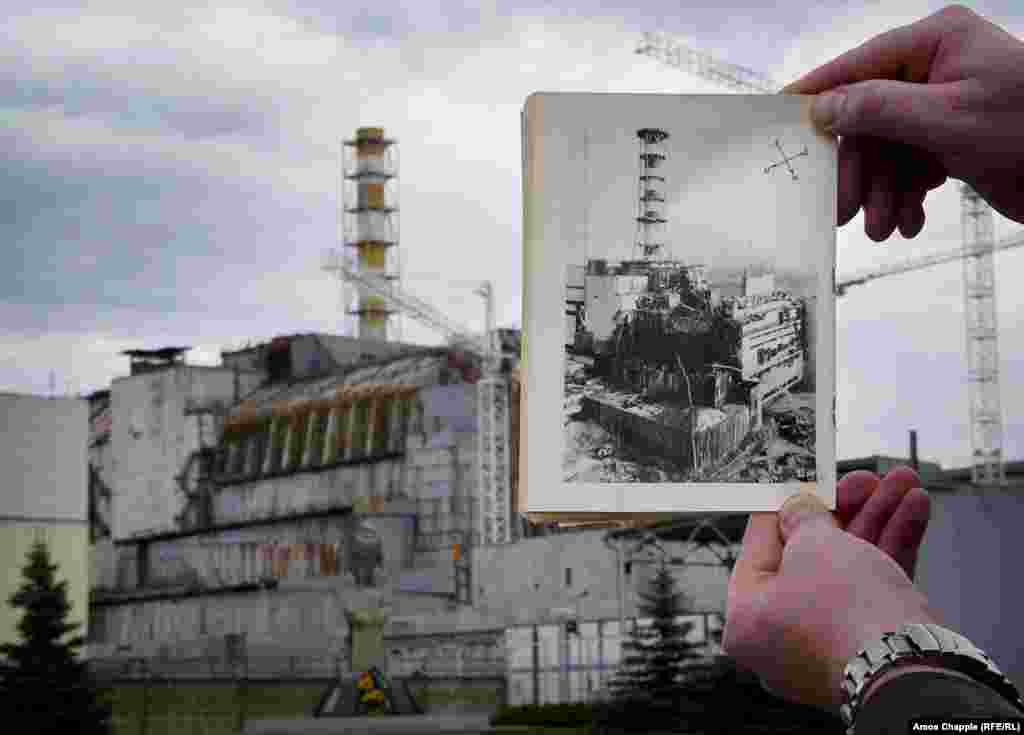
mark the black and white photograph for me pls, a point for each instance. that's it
(693, 237)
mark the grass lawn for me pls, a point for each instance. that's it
(215, 708)
(207, 709)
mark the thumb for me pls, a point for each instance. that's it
(800, 510)
(904, 112)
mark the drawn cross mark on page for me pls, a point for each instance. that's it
(785, 160)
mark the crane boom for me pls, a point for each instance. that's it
(673, 53)
(858, 278)
(422, 311)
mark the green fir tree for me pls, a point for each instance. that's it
(44, 687)
(648, 693)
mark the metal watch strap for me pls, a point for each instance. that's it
(916, 641)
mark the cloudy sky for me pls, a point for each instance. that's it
(716, 151)
(171, 177)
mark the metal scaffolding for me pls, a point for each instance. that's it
(981, 332)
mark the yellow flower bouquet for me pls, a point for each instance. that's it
(372, 695)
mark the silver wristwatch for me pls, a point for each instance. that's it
(927, 643)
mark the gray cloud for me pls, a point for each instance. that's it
(128, 103)
(171, 174)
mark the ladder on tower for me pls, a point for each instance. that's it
(987, 466)
(493, 468)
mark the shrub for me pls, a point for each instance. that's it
(552, 715)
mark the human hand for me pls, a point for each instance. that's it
(942, 97)
(806, 595)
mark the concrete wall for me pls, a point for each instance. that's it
(296, 493)
(758, 285)
(104, 562)
(522, 583)
(969, 568)
(436, 479)
(101, 462)
(262, 615)
(669, 433)
(310, 611)
(43, 453)
(349, 350)
(151, 439)
(606, 296)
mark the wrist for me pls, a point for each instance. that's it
(918, 647)
(930, 665)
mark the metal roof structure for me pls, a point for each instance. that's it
(420, 369)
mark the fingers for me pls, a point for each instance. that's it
(911, 215)
(852, 180)
(918, 173)
(852, 492)
(800, 510)
(902, 535)
(922, 115)
(890, 180)
(882, 504)
(903, 53)
(760, 556)
(883, 197)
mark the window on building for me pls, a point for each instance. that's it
(320, 419)
(298, 426)
(628, 568)
(279, 432)
(405, 417)
(360, 428)
(342, 415)
(238, 454)
(381, 424)
(261, 437)
(568, 576)
(251, 450)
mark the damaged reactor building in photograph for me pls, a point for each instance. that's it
(676, 376)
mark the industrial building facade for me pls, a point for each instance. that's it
(274, 472)
(315, 475)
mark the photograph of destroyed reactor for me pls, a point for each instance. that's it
(681, 372)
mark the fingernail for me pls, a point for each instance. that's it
(797, 509)
(825, 109)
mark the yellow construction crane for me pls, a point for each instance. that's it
(981, 328)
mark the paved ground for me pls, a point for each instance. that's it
(435, 724)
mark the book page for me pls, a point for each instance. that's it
(679, 280)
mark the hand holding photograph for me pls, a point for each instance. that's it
(678, 305)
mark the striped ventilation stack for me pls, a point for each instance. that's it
(371, 222)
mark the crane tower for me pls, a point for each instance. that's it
(370, 223)
(982, 344)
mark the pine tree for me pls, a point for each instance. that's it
(648, 692)
(44, 687)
